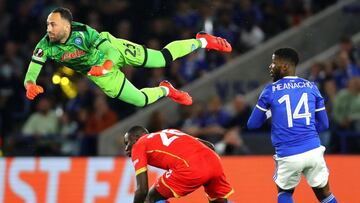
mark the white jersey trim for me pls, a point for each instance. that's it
(317, 110)
(261, 108)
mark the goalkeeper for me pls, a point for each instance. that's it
(100, 57)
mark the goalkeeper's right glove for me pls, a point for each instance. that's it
(32, 90)
(101, 70)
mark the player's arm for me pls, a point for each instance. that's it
(261, 111)
(32, 73)
(110, 51)
(37, 61)
(208, 144)
(257, 118)
(139, 159)
(112, 55)
(321, 118)
(32, 90)
(112, 58)
(321, 121)
(141, 187)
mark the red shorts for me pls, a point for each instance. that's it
(205, 171)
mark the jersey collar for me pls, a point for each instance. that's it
(286, 77)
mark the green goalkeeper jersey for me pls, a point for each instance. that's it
(84, 48)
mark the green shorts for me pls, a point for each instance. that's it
(132, 53)
(111, 83)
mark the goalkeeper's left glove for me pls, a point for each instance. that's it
(101, 70)
(32, 90)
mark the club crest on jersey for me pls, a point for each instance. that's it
(78, 40)
(38, 52)
(71, 55)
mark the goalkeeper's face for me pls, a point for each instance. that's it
(58, 29)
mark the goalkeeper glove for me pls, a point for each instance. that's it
(32, 90)
(101, 70)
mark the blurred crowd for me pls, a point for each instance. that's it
(338, 80)
(57, 123)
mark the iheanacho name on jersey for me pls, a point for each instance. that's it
(291, 85)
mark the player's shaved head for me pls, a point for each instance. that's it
(131, 136)
(137, 131)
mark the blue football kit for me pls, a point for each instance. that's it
(298, 115)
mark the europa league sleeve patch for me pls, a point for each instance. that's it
(38, 52)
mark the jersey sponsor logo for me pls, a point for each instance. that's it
(38, 52)
(78, 40)
(71, 55)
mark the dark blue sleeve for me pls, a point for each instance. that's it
(258, 116)
(321, 121)
(257, 119)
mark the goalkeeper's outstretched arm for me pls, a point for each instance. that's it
(32, 73)
(112, 58)
(32, 90)
(110, 51)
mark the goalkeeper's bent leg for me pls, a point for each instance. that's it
(171, 52)
(140, 98)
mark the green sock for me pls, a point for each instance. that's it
(154, 93)
(155, 59)
(140, 98)
(177, 49)
(181, 48)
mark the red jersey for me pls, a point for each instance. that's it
(166, 149)
(189, 164)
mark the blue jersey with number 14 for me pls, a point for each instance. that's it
(293, 102)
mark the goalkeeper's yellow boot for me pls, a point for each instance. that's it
(178, 96)
(211, 42)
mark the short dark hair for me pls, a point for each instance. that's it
(288, 54)
(137, 131)
(64, 13)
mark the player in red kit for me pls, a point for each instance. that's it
(190, 163)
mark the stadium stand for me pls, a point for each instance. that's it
(73, 108)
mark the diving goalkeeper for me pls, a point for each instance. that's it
(100, 57)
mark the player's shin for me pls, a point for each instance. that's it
(285, 197)
(140, 98)
(153, 94)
